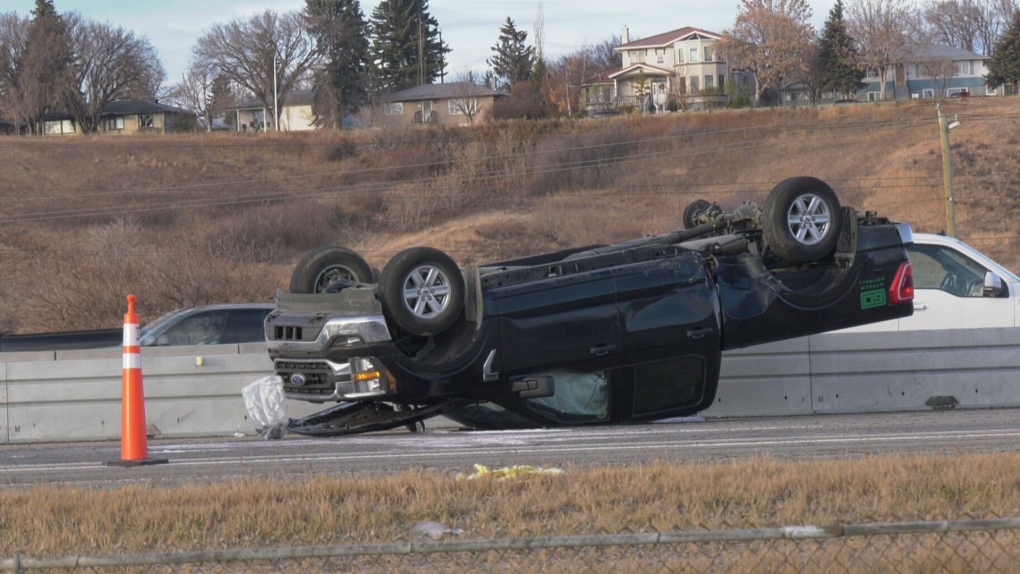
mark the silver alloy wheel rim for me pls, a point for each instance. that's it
(809, 219)
(426, 291)
(330, 273)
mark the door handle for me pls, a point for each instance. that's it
(700, 333)
(919, 306)
(601, 350)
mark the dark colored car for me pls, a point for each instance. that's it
(222, 324)
(591, 335)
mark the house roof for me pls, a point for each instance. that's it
(667, 39)
(134, 107)
(943, 52)
(303, 97)
(123, 108)
(656, 70)
(442, 92)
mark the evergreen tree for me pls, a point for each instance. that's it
(838, 63)
(407, 48)
(341, 34)
(1004, 65)
(512, 60)
(45, 72)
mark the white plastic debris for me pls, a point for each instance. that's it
(267, 406)
(433, 530)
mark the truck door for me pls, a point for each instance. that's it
(559, 334)
(670, 316)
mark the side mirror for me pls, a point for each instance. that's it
(162, 341)
(993, 285)
(147, 341)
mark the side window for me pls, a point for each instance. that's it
(669, 385)
(578, 397)
(246, 326)
(199, 329)
(936, 267)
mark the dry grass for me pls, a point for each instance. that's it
(48, 521)
(223, 217)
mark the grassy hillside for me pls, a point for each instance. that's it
(189, 219)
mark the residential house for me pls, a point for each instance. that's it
(7, 128)
(931, 71)
(295, 113)
(680, 69)
(124, 117)
(453, 104)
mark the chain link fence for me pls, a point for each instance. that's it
(991, 546)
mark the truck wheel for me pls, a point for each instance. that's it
(801, 219)
(692, 211)
(422, 290)
(320, 267)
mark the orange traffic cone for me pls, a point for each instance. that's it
(134, 448)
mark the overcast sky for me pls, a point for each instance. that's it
(469, 27)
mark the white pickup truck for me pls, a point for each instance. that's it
(955, 287)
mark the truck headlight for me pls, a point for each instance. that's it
(370, 377)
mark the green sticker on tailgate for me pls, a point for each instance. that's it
(873, 298)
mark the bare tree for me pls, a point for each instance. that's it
(883, 29)
(769, 39)
(195, 91)
(466, 91)
(954, 22)
(13, 38)
(250, 52)
(108, 64)
(941, 72)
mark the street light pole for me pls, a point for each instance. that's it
(276, 98)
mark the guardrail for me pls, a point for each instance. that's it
(196, 391)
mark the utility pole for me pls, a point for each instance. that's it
(947, 171)
(276, 98)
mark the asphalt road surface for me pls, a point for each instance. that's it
(451, 451)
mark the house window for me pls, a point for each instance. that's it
(679, 56)
(462, 106)
(144, 121)
(57, 127)
(660, 55)
(694, 55)
(964, 68)
(928, 93)
(115, 123)
(395, 109)
(874, 96)
(694, 84)
(992, 91)
(722, 80)
(708, 56)
(709, 82)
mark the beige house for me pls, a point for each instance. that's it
(679, 69)
(453, 104)
(125, 117)
(295, 113)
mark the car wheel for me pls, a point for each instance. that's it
(320, 267)
(801, 219)
(692, 211)
(422, 290)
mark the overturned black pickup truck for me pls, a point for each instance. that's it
(602, 334)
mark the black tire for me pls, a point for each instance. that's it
(422, 291)
(320, 267)
(801, 220)
(691, 213)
